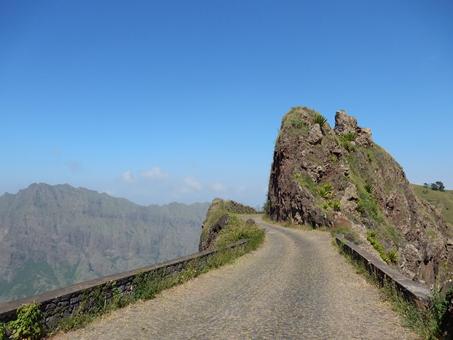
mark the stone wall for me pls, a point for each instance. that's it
(412, 290)
(58, 304)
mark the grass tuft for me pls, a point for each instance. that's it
(388, 256)
(320, 119)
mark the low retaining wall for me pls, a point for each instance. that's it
(58, 304)
(413, 291)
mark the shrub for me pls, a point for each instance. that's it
(297, 123)
(325, 190)
(320, 119)
(368, 207)
(368, 188)
(372, 238)
(438, 186)
(28, 323)
(349, 136)
(346, 141)
(393, 256)
(388, 257)
(2, 331)
(335, 204)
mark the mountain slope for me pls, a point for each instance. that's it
(442, 200)
(340, 178)
(53, 236)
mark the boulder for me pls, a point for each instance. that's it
(315, 134)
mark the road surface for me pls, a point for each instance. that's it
(295, 286)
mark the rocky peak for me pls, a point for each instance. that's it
(340, 178)
(345, 124)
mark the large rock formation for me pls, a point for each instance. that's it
(217, 219)
(340, 178)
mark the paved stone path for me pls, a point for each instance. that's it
(296, 286)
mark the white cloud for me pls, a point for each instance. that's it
(154, 173)
(192, 184)
(218, 187)
(128, 176)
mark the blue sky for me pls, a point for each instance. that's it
(160, 101)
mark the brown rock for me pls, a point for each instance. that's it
(306, 161)
(349, 200)
(344, 123)
(315, 134)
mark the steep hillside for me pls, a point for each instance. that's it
(340, 178)
(441, 200)
(53, 236)
(221, 221)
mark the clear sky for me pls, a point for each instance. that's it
(160, 101)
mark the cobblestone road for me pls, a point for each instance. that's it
(296, 286)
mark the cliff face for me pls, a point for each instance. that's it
(340, 178)
(54, 236)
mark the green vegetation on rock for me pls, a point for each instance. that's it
(346, 141)
(320, 119)
(222, 225)
(343, 175)
(388, 256)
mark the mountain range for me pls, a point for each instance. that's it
(54, 236)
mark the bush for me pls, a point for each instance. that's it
(393, 256)
(346, 141)
(438, 186)
(320, 119)
(2, 331)
(335, 204)
(349, 136)
(28, 323)
(325, 190)
(297, 123)
(368, 207)
(388, 257)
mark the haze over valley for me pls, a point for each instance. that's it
(54, 236)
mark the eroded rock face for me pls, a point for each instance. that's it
(319, 172)
(344, 123)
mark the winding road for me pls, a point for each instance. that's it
(295, 286)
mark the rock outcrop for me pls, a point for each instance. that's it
(340, 178)
(217, 218)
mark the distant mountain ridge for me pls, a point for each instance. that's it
(55, 235)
